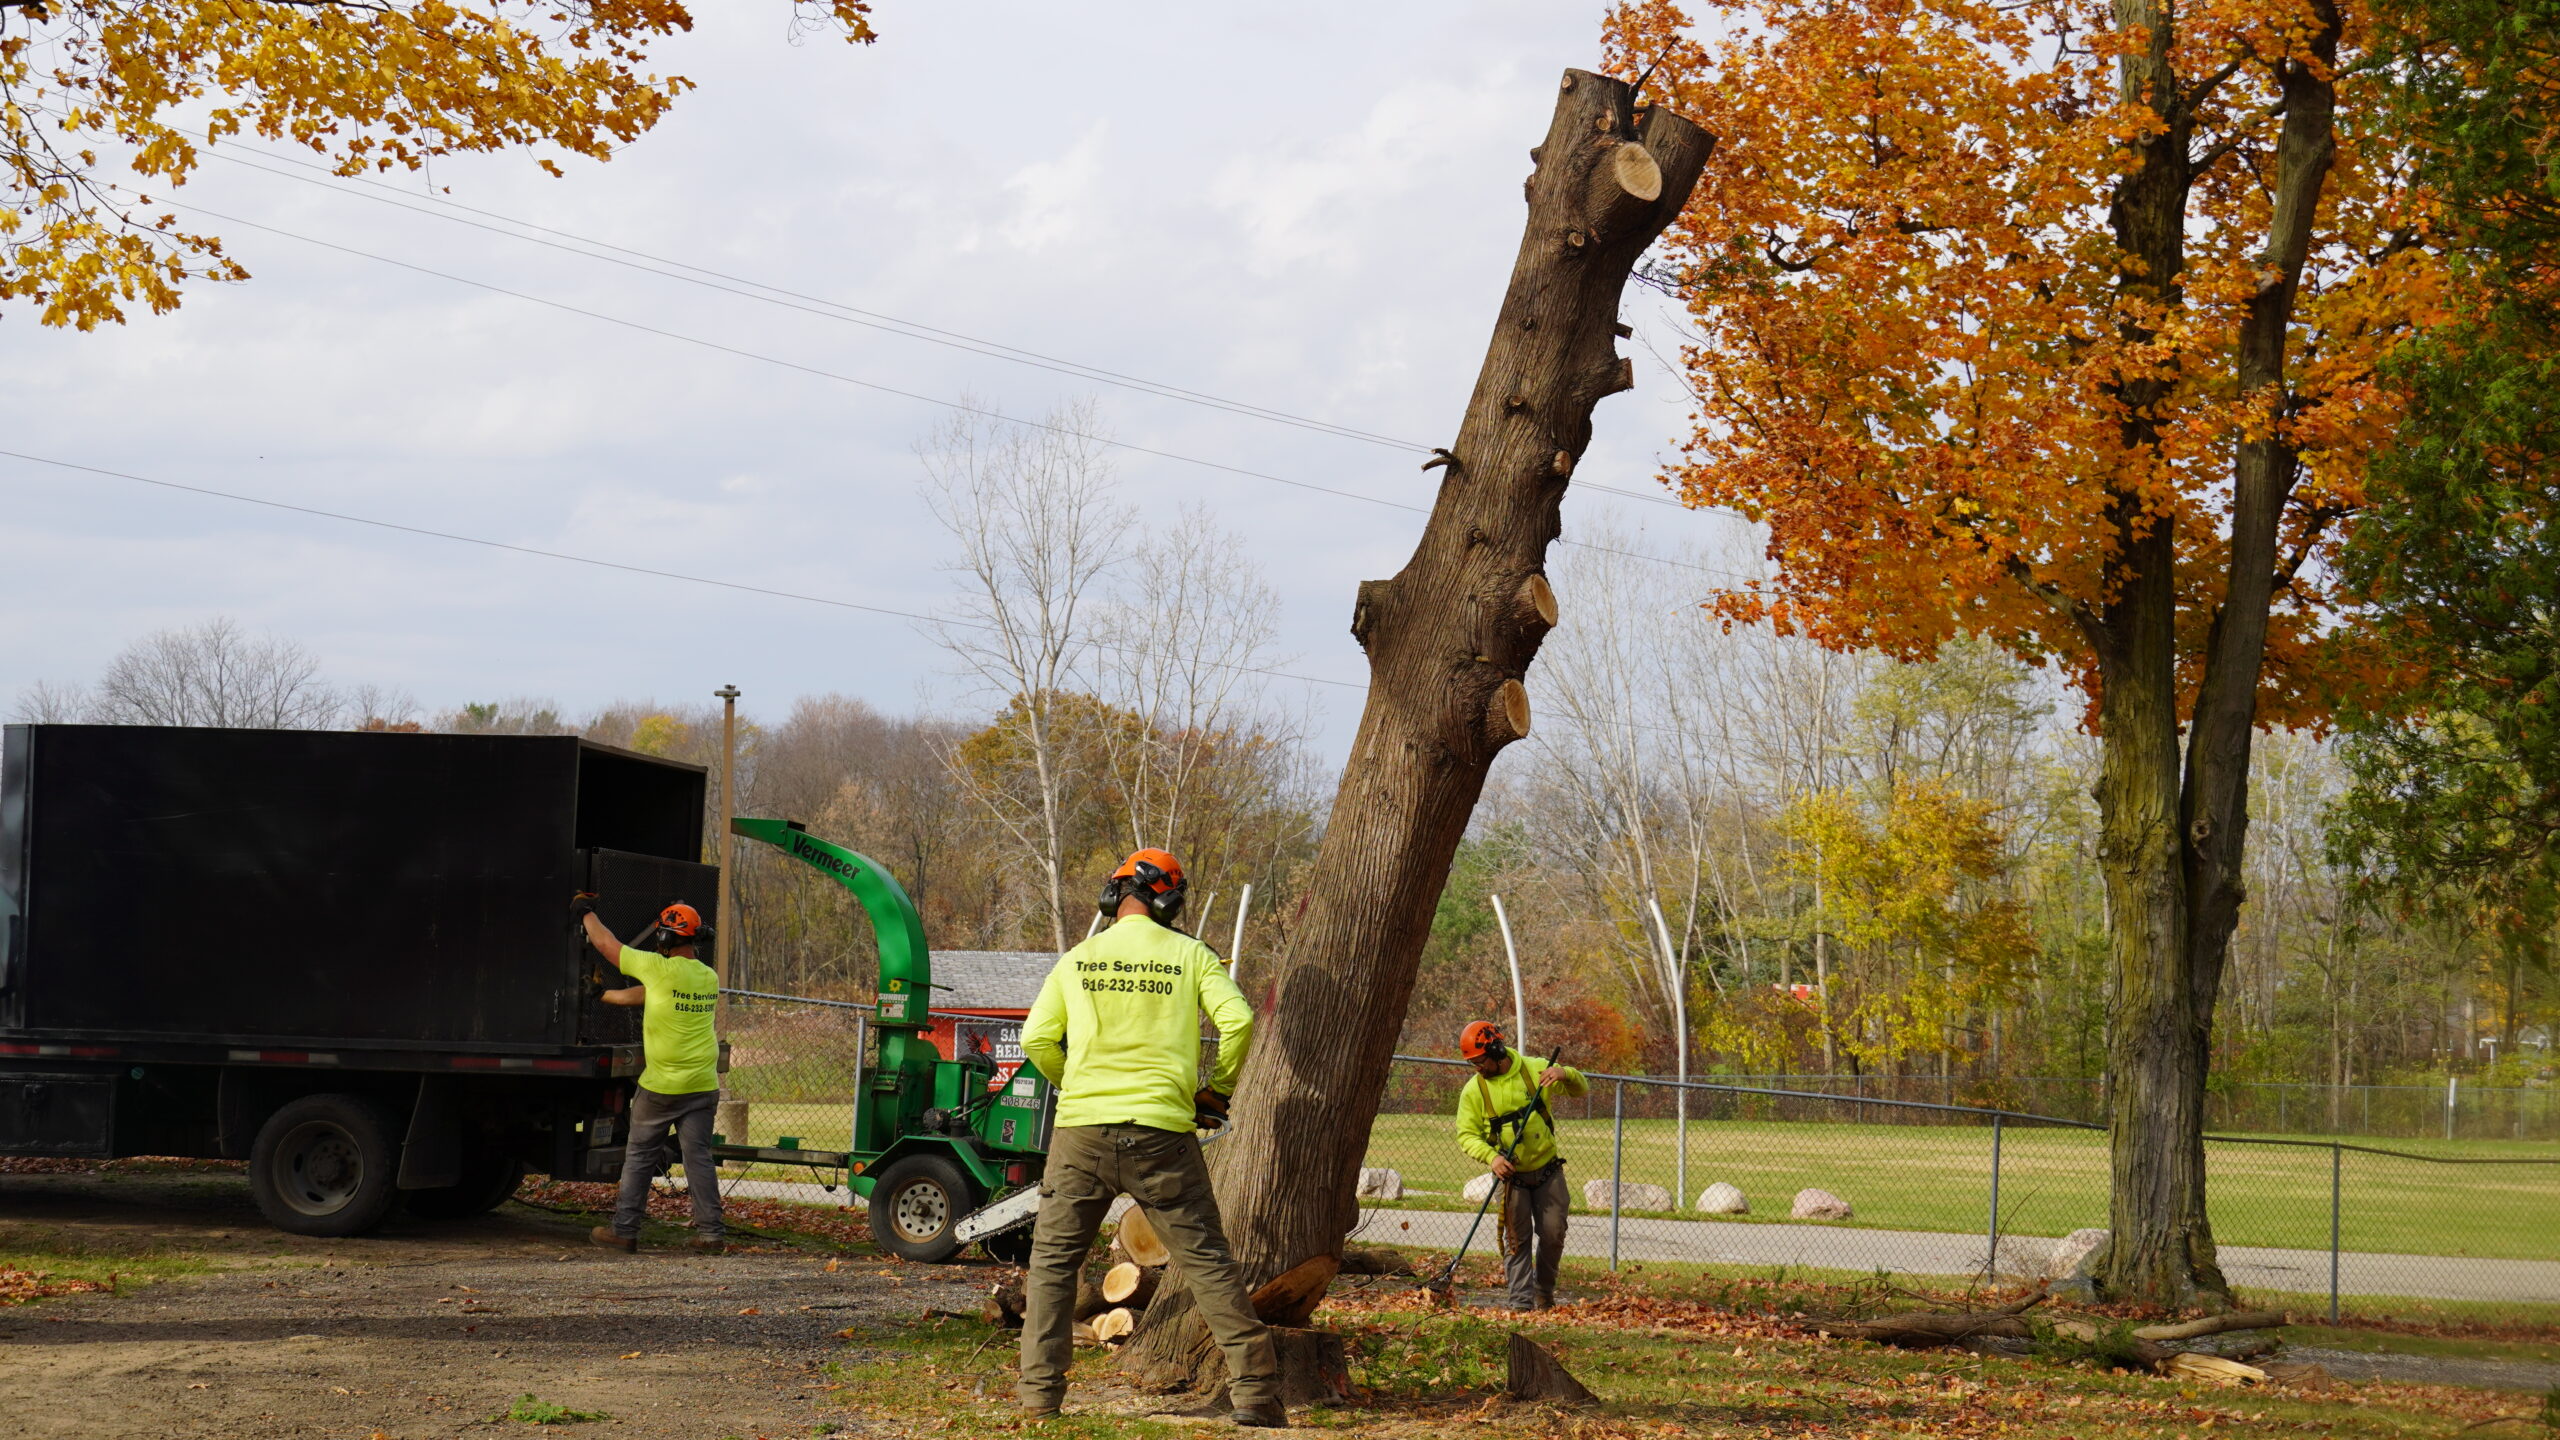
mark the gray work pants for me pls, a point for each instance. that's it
(645, 1156)
(1089, 1167)
(1534, 1205)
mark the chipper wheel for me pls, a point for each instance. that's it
(915, 1204)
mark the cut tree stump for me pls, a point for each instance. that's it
(1130, 1283)
(1535, 1374)
(1137, 1239)
(1291, 1297)
(1315, 1365)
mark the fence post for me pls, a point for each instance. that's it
(861, 1064)
(2452, 1088)
(1991, 1257)
(1617, 1166)
(2337, 1163)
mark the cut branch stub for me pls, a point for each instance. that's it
(1540, 598)
(1509, 717)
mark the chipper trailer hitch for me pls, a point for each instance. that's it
(947, 1152)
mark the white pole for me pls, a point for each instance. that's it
(1096, 925)
(1206, 911)
(1235, 947)
(1680, 1019)
(2452, 1092)
(1519, 1005)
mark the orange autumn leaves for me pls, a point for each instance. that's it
(1910, 336)
(365, 84)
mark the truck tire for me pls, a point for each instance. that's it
(326, 1165)
(915, 1205)
(488, 1179)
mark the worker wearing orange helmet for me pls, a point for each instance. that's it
(1117, 1030)
(680, 1086)
(1504, 1123)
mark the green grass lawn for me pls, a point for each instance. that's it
(1910, 1177)
(1928, 1177)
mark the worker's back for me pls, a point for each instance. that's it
(1117, 1026)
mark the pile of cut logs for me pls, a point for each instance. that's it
(2006, 1330)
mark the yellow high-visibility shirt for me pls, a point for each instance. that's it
(1484, 1100)
(675, 1021)
(1117, 1026)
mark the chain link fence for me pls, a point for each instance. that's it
(2449, 1111)
(1838, 1175)
(1771, 1176)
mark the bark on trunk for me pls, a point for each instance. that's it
(1448, 643)
(2172, 833)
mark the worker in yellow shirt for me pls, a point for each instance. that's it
(680, 1088)
(1504, 1123)
(1117, 1030)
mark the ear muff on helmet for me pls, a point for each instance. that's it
(678, 924)
(1481, 1039)
(1151, 875)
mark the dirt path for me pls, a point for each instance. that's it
(424, 1330)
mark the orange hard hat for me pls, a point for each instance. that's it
(681, 920)
(1480, 1038)
(1167, 871)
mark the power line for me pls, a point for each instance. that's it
(958, 405)
(788, 299)
(740, 586)
(767, 591)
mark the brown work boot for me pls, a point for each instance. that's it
(706, 1244)
(603, 1235)
(1262, 1417)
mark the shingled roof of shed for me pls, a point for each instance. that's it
(989, 979)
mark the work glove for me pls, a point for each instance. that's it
(581, 905)
(1209, 1109)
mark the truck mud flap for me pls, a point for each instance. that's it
(431, 1156)
(57, 1115)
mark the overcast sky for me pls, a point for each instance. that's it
(1308, 208)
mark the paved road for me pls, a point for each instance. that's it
(1918, 1252)
(1923, 1252)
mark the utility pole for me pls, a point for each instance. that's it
(727, 695)
(730, 1115)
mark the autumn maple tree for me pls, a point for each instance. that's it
(92, 87)
(2061, 323)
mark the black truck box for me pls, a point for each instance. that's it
(274, 888)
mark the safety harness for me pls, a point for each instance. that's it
(1517, 1121)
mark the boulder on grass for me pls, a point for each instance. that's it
(1595, 1194)
(1377, 1183)
(1480, 1187)
(2071, 1252)
(1812, 1204)
(1723, 1199)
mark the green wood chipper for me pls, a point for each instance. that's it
(947, 1152)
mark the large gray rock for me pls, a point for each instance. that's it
(1377, 1183)
(1595, 1194)
(1480, 1187)
(1723, 1199)
(2073, 1252)
(1812, 1204)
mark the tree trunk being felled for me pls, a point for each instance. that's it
(1448, 638)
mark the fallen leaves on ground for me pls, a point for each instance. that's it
(17, 1287)
(848, 1228)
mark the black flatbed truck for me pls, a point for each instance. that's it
(343, 957)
